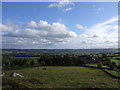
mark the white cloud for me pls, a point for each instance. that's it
(68, 9)
(43, 32)
(57, 35)
(107, 22)
(32, 24)
(98, 35)
(6, 28)
(78, 26)
(63, 4)
(101, 29)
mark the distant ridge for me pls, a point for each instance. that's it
(72, 51)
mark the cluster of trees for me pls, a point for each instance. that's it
(106, 61)
(13, 62)
(111, 64)
(43, 60)
(58, 60)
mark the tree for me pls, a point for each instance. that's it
(104, 55)
(45, 60)
(107, 61)
(113, 65)
(32, 62)
(80, 62)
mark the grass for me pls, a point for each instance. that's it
(115, 60)
(29, 57)
(95, 65)
(113, 72)
(60, 77)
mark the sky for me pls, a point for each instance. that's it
(59, 25)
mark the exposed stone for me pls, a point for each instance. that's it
(2, 74)
(13, 74)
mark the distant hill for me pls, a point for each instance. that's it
(71, 51)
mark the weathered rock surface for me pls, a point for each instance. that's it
(16, 75)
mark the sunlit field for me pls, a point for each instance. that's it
(59, 77)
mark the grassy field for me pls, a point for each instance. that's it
(95, 65)
(113, 72)
(60, 77)
(29, 57)
(115, 60)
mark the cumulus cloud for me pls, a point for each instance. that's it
(32, 24)
(57, 35)
(41, 33)
(6, 28)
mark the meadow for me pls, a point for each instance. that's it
(29, 57)
(59, 70)
(113, 72)
(95, 65)
(59, 77)
(116, 60)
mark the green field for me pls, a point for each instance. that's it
(115, 60)
(95, 65)
(60, 77)
(113, 72)
(29, 57)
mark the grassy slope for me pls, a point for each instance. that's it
(116, 60)
(113, 72)
(60, 77)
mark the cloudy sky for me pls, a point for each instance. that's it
(59, 25)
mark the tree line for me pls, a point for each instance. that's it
(57, 60)
(44, 60)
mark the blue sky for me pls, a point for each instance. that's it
(77, 17)
(86, 13)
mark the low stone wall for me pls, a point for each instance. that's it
(103, 69)
(113, 76)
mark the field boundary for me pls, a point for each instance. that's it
(92, 67)
(113, 76)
